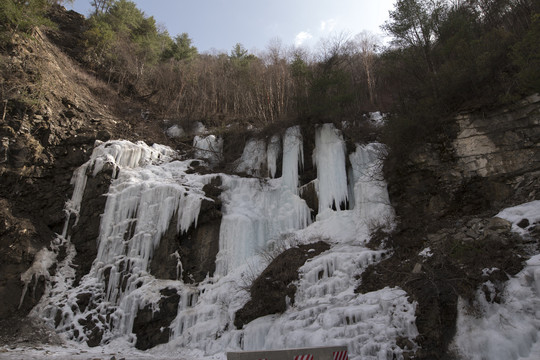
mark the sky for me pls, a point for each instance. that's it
(217, 25)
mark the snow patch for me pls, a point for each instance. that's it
(175, 131)
(426, 253)
(529, 211)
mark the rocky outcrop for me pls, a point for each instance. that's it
(151, 326)
(270, 290)
(20, 242)
(439, 267)
(491, 161)
(191, 256)
(500, 143)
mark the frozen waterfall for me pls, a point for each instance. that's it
(152, 193)
(293, 158)
(329, 157)
(259, 211)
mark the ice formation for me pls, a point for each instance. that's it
(293, 157)
(151, 191)
(272, 155)
(327, 311)
(376, 118)
(119, 154)
(208, 147)
(254, 213)
(43, 260)
(141, 202)
(508, 330)
(369, 195)
(253, 159)
(329, 158)
(139, 209)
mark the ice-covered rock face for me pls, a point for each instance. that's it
(254, 213)
(148, 191)
(508, 329)
(151, 191)
(253, 160)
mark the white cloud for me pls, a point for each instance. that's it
(328, 25)
(301, 37)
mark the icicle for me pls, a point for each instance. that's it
(274, 148)
(329, 158)
(139, 209)
(293, 157)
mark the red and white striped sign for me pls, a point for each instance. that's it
(340, 355)
(303, 357)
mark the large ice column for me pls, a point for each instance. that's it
(293, 157)
(370, 193)
(329, 158)
(255, 212)
(272, 155)
(208, 147)
(253, 159)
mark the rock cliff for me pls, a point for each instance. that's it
(445, 197)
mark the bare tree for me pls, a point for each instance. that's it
(367, 44)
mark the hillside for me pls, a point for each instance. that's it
(304, 232)
(48, 132)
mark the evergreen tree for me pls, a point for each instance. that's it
(180, 49)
